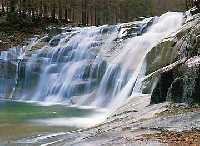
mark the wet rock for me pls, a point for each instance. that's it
(160, 92)
(182, 82)
(186, 88)
(39, 45)
(4, 45)
(192, 80)
(52, 31)
(175, 92)
(161, 55)
(54, 42)
(194, 11)
(109, 29)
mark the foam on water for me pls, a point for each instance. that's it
(93, 66)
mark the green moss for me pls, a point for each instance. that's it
(161, 55)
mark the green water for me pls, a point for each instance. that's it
(16, 119)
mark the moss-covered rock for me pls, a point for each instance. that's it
(180, 83)
(191, 78)
(161, 55)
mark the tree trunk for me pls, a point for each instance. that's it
(60, 14)
(12, 6)
(66, 14)
(53, 11)
(2, 5)
(84, 14)
(45, 12)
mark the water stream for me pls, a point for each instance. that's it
(90, 67)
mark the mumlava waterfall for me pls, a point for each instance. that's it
(97, 67)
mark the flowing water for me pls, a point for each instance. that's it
(94, 69)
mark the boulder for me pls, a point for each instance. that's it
(173, 66)
(180, 84)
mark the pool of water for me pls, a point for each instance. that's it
(20, 119)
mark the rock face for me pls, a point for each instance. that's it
(180, 83)
(187, 85)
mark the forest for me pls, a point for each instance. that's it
(88, 12)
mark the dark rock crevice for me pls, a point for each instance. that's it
(160, 92)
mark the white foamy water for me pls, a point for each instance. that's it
(98, 67)
(134, 53)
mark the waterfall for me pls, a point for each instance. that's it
(91, 66)
(134, 53)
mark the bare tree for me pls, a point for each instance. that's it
(84, 12)
(53, 10)
(2, 6)
(60, 10)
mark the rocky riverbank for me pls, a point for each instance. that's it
(171, 115)
(173, 73)
(177, 70)
(136, 124)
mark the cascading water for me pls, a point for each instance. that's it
(73, 67)
(92, 66)
(134, 53)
